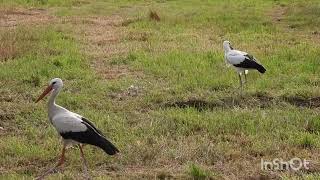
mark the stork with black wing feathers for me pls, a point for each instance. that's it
(74, 128)
(241, 61)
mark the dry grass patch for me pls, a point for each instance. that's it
(22, 41)
(10, 18)
(104, 38)
(8, 46)
(141, 172)
(15, 41)
(277, 14)
(127, 22)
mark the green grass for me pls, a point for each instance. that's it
(186, 106)
(197, 173)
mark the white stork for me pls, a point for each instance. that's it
(73, 128)
(241, 61)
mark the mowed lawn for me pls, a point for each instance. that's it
(160, 89)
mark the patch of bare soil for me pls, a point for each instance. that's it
(10, 18)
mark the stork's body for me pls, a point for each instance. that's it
(241, 61)
(73, 128)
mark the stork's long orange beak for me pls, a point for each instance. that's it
(45, 92)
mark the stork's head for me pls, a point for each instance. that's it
(54, 84)
(227, 46)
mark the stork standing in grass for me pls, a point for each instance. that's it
(73, 128)
(241, 61)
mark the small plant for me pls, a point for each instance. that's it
(153, 15)
(307, 141)
(164, 176)
(197, 173)
(57, 63)
(125, 60)
(313, 126)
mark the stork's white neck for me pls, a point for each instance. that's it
(52, 106)
(52, 99)
(227, 48)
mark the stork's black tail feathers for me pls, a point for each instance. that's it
(107, 146)
(91, 136)
(251, 64)
(260, 68)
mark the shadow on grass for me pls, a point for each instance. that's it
(249, 101)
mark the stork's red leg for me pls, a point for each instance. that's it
(85, 167)
(62, 157)
(61, 161)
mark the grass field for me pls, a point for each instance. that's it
(160, 90)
